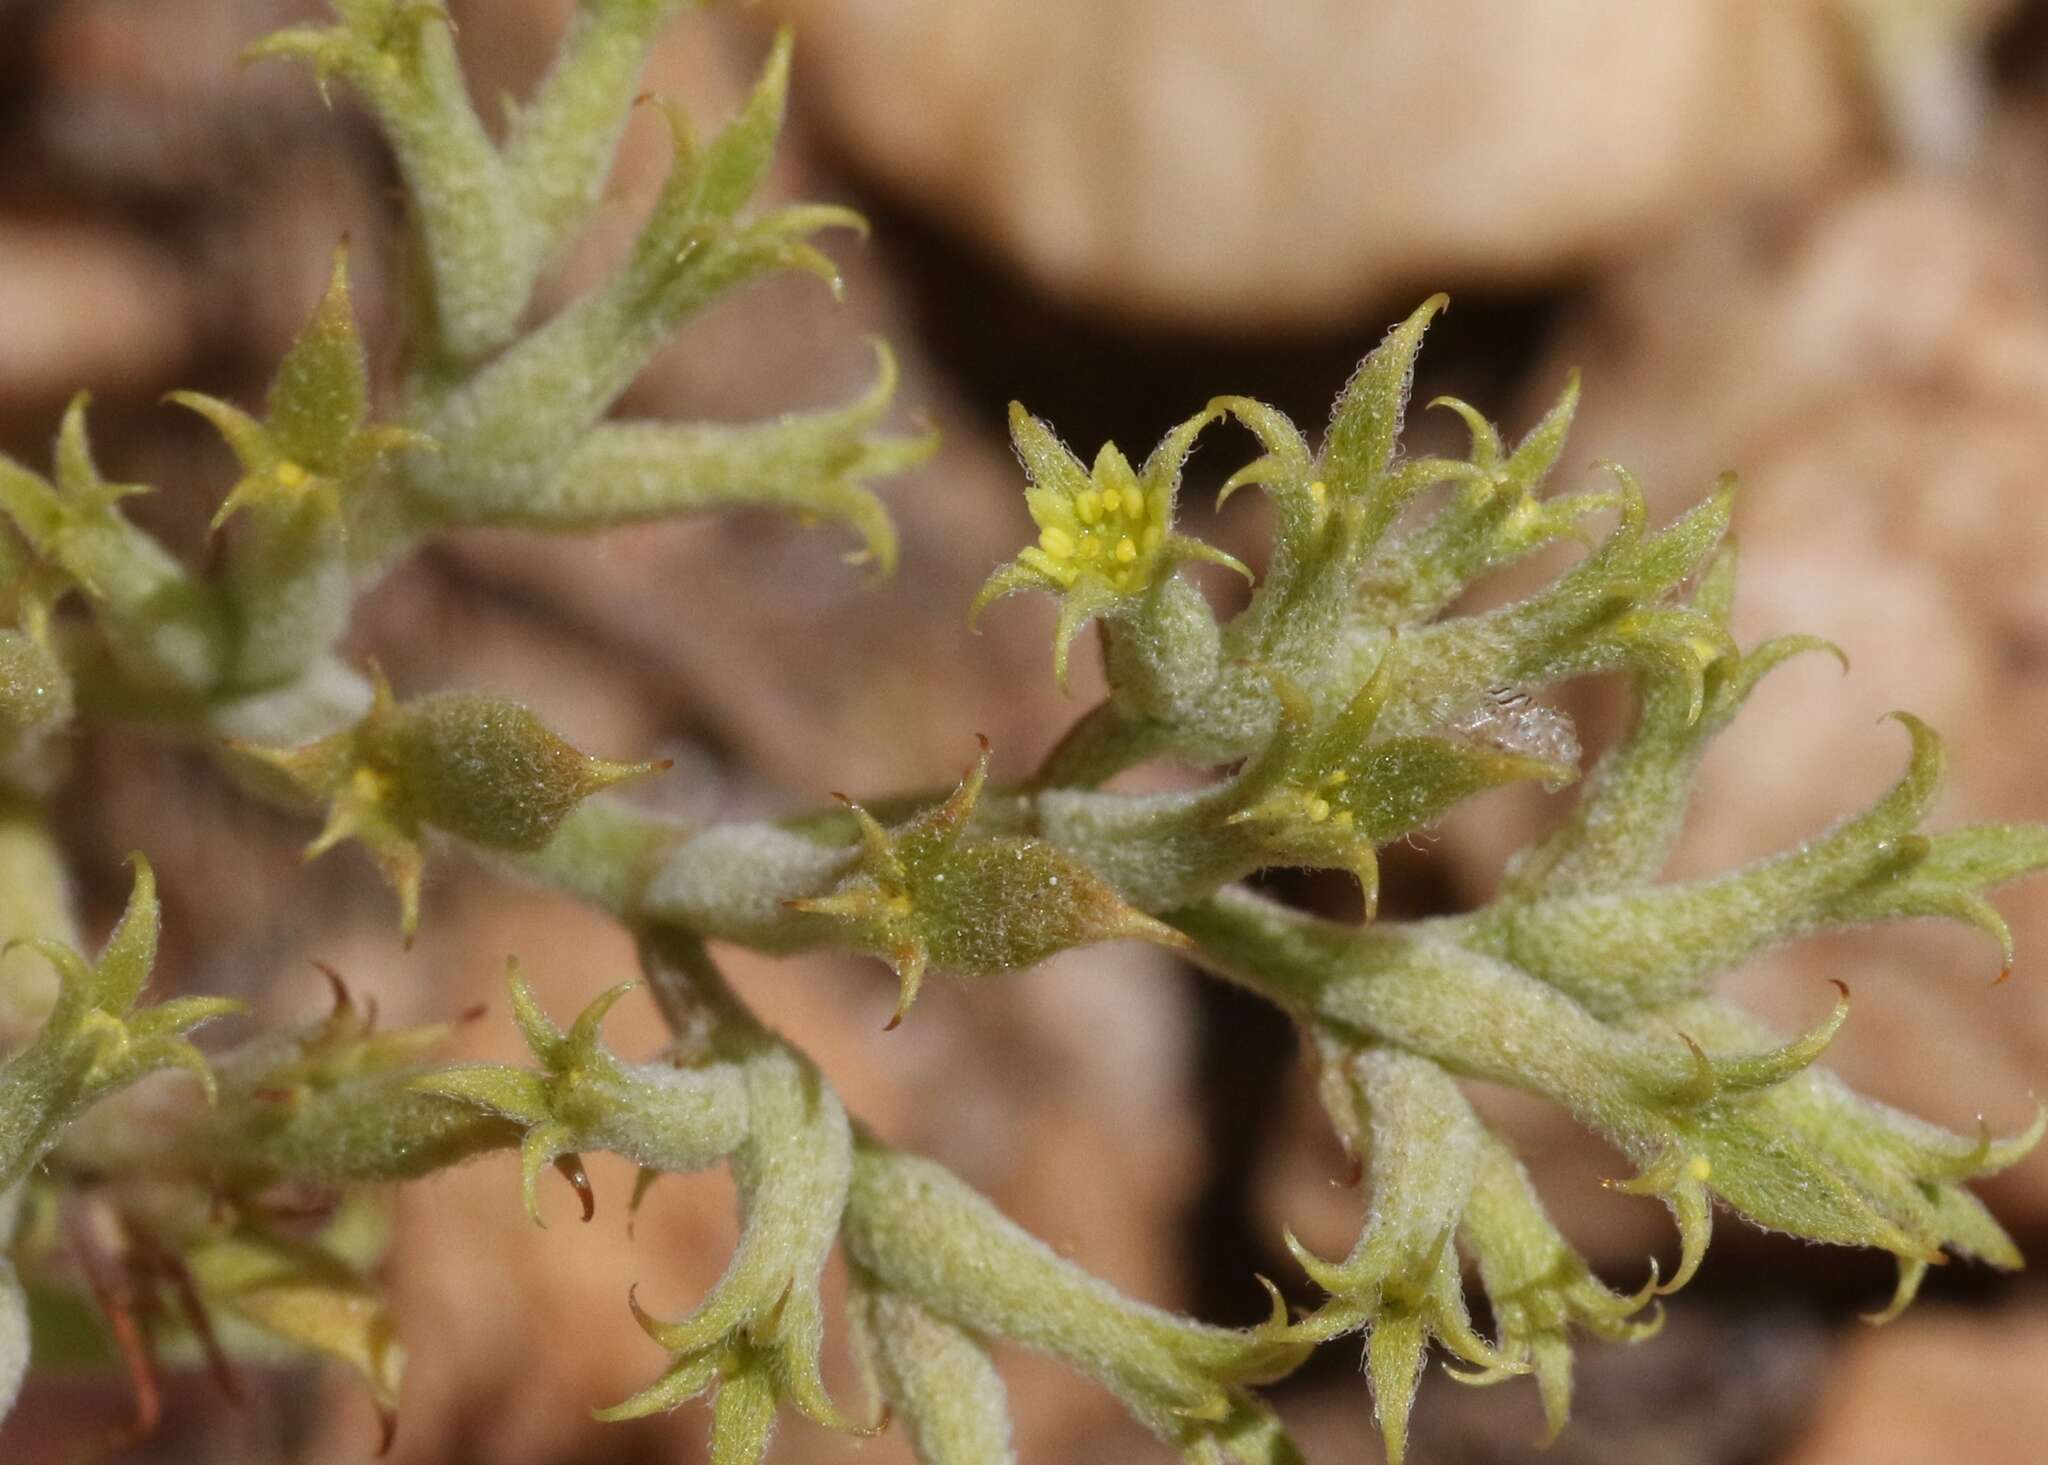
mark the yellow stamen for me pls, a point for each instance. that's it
(290, 474)
(368, 785)
(1125, 550)
(1318, 810)
(1056, 542)
(1149, 540)
(1700, 1168)
(1088, 504)
(1134, 503)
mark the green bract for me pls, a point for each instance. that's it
(1342, 707)
(95, 1042)
(683, 1118)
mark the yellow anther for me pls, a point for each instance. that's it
(1150, 539)
(1700, 1167)
(1320, 492)
(1337, 779)
(1318, 810)
(290, 474)
(1088, 504)
(368, 785)
(1126, 551)
(898, 905)
(1134, 503)
(1056, 542)
(1343, 819)
(1090, 547)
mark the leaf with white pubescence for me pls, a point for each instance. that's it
(920, 1233)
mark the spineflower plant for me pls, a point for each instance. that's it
(230, 1195)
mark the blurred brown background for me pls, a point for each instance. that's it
(1807, 239)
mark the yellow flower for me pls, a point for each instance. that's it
(1105, 535)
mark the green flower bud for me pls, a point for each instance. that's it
(337, 1103)
(1321, 794)
(480, 768)
(316, 445)
(35, 702)
(927, 894)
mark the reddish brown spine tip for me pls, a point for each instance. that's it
(312, 1206)
(662, 765)
(2004, 975)
(218, 1365)
(647, 1321)
(571, 1168)
(1841, 986)
(114, 1297)
(642, 1183)
(387, 1430)
(895, 1021)
(842, 798)
(343, 1002)
(982, 739)
(476, 1012)
(1354, 1173)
